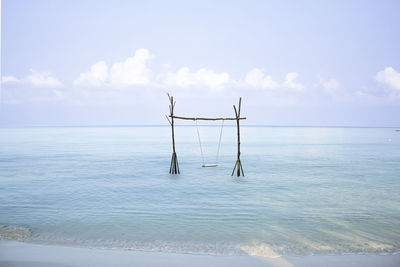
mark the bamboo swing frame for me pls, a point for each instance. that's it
(174, 166)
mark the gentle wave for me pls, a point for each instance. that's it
(15, 233)
(23, 234)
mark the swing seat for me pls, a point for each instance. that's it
(209, 165)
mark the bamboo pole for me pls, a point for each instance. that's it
(174, 167)
(238, 165)
(206, 119)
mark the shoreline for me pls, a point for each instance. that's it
(25, 235)
(20, 254)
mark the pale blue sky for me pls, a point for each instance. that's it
(293, 62)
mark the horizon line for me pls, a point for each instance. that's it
(183, 125)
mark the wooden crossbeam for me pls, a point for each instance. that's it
(206, 119)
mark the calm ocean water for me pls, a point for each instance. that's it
(306, 190)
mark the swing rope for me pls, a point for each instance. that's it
(201, 147)
(198, 135)
(219, 142)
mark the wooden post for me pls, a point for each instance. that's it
(238, 164)
(174, 167)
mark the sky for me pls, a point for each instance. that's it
(303, 63)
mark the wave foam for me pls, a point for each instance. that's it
(15, 233)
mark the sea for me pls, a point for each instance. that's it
(306, 190)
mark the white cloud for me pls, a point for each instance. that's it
(182, 78)
(291, 83)
(42, 79)
(97, 76)
(35, 79)
(257, 78)
(203, 77)
(389, 77)
(9, 79)
(133, 71)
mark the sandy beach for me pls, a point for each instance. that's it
(18, 254)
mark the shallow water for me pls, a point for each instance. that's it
(306, 190)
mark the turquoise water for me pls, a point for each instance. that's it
(306, 190)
